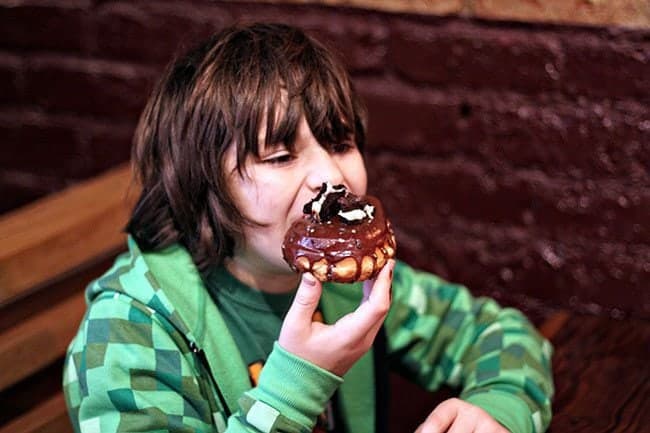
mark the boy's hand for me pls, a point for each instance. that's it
(336, 347)
(457, 416)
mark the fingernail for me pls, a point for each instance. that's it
(308, 279)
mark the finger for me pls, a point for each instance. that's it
(368, 284)
(463, 423)
(305, 302)
(367, 288)
(441, 418)
(385, 302)
(380, 291)
(369, 316)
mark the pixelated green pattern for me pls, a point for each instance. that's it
(126, 366)
(439, 334)
(130, 369)
(278, 423)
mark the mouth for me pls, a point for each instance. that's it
(293, 219)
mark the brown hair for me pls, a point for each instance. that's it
(218, 95)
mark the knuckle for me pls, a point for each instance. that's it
(477, 412)
(382, 310)
(433, 424)
(305, 300)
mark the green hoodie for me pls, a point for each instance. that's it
(154, 354)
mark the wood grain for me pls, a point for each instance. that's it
(48, 417)
(602, 375)
(554, 324)
(34, 343)
(42, 241)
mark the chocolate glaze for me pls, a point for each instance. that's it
(334, 240)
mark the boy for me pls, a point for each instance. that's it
(238, 135)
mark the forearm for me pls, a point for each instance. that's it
(290, 395)
(439, 334)
(508, 372)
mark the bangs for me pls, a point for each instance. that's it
(277, 91)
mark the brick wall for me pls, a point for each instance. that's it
(629, 13)
(513, 157)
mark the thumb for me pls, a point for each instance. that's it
(305, 302)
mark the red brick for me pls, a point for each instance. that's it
(585, 139)
(403, 119)
(599, 68)
(527, 136)
(142, 33)
(42, 147)
(510, 263)
(45, 27)
(433, 189)
(358, 37)
(442, 53)
(88, 87)
(586, 276)
(152, 35)
(109, 146)
(19, 189)
(10, 79)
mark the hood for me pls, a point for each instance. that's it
(132, 275)
(169, 284)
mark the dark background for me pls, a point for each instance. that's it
(512, 157)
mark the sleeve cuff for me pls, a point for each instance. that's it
(294, 387)
(508, 410)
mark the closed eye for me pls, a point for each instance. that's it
(278, 158)
(342, 147)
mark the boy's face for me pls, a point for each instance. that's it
(276, 186)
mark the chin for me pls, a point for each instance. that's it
(285, 270)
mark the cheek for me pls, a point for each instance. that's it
(355, 174)
(257, 205)
(247, 197)
(263, 201)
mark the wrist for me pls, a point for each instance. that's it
(296, 388)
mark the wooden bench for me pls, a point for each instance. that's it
(54, 247)
(50, 250)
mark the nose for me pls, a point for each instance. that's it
(323, 167)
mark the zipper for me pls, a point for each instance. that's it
(200, 354)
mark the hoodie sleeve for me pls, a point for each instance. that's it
(129, 370)
(439, 334)
(290, 395)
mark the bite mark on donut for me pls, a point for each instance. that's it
(342, 237)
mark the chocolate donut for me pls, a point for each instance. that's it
(341, 237)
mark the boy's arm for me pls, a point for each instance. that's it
(438, 333)
(290, 395)
(127, 371)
